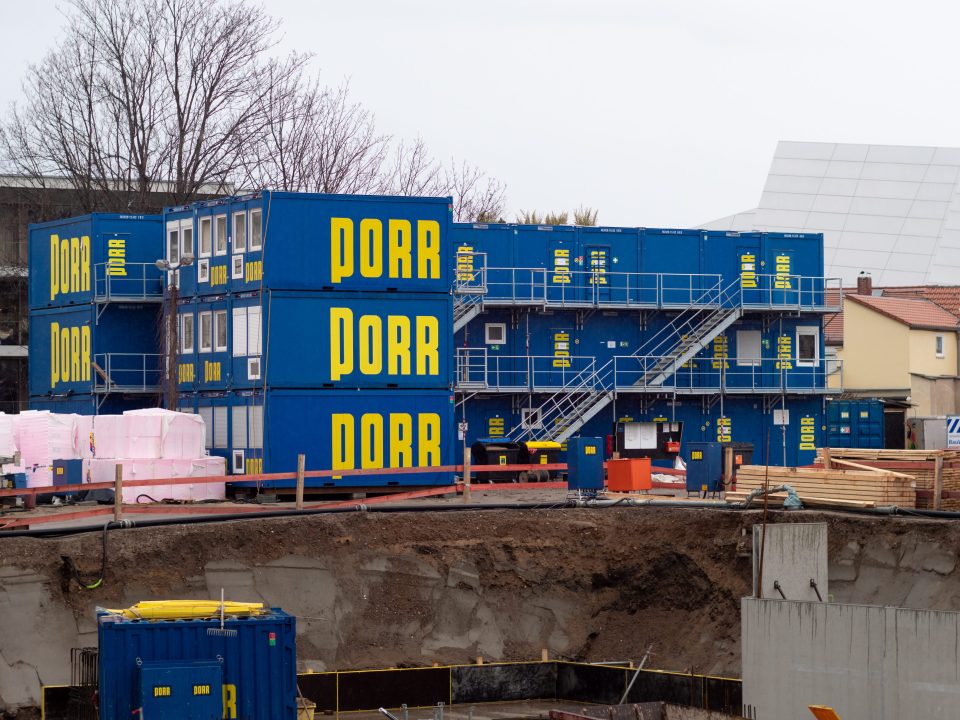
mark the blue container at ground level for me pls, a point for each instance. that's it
(180, 667)
(704, 467)
(855, 424)
(585, 463)
(95, 257)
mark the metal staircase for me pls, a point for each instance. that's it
(469, 289)
(570, 408)
(465, 308)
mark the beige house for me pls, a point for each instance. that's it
(900, 349)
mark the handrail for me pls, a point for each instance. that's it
(134, 281)
(127, 372)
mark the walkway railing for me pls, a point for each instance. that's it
(140, 282)
(127, 372)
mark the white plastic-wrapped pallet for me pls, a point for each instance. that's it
(8, 444)
(45, 437)
(144, 433)
(181, 435)
(109, 436)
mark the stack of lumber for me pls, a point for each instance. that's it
(838, 488)
(924, 465)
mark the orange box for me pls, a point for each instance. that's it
(628, 474)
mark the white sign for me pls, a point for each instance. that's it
(640, 436)
(781, 417)
(953, 430)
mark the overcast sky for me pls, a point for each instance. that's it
(660, 113)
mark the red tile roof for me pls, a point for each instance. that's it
(946, 296)
(917, 313)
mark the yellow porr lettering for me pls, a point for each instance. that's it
(69, 354)
(401, 440)
(369, 254)
(69, 265)
(229, 702)
(373, 338)
(371, 440)
(381, 436)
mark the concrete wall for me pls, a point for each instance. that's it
(866, 662)
(793, 555)
(933, 396)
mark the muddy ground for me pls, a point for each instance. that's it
(377, 590)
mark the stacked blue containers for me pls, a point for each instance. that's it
(322, 325)
(94, 297)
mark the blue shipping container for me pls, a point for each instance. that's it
(95, 257)
(335, 429)
(163, 662)
(855, 424)
(86, 349)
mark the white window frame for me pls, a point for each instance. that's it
(203, 271)
(184, 318)
(185, 227)
(525, 418)
(254, 368)
(940, 346)
(258, 223)
(239, 332)
(205, 221)
(205, 344)
(237, 460)
(220, 237)
(220, 318)
(815, 332)
(502, 327)
(743, 361)
(236, 272)
(239, 239)
(173, 242)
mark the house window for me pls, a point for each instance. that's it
(495, 333)
(220, 235)
(186, 237)
(186, 333)
(206, 332)
(748, 348)
(808, 346)
(206, 237)
(220, 330)
(256, 230)
(173, 242)
(939, 346)
(239, 232)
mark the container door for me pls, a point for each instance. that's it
(563, 365)
(596, 277)
(781, 279)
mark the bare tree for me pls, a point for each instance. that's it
(476, 196)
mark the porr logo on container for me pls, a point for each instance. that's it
(383, 435)
(117, 257)
(69, 265)
(375, 338)
(345, 255)
(69, 354)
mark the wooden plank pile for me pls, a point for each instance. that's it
(850, 488)
(937, 472)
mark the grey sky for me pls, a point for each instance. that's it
(657, 113)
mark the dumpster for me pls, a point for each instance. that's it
(585, 465)
(704, 467)
(495, 452)
(539, 452)
(628, 475)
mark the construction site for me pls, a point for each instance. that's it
(401, 465)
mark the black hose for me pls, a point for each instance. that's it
(85, 583)
(458, 507)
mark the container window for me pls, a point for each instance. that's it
(240, 232)
(203, 271)
(938, 343)
(530, 418)
(237, 271)
(256, 427)
(237, 462)
(220, 330)
(239, 332)
(495, 333)
(254, 332)
(186, 333)
(808, 346)
(220, 235)
(239, 426)
(748, 348)
(206, 332)
(206, 414)
(253, 368)
(186, 237)
(220, 427)
(173, 242)
(206, 237)
(256, 229)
